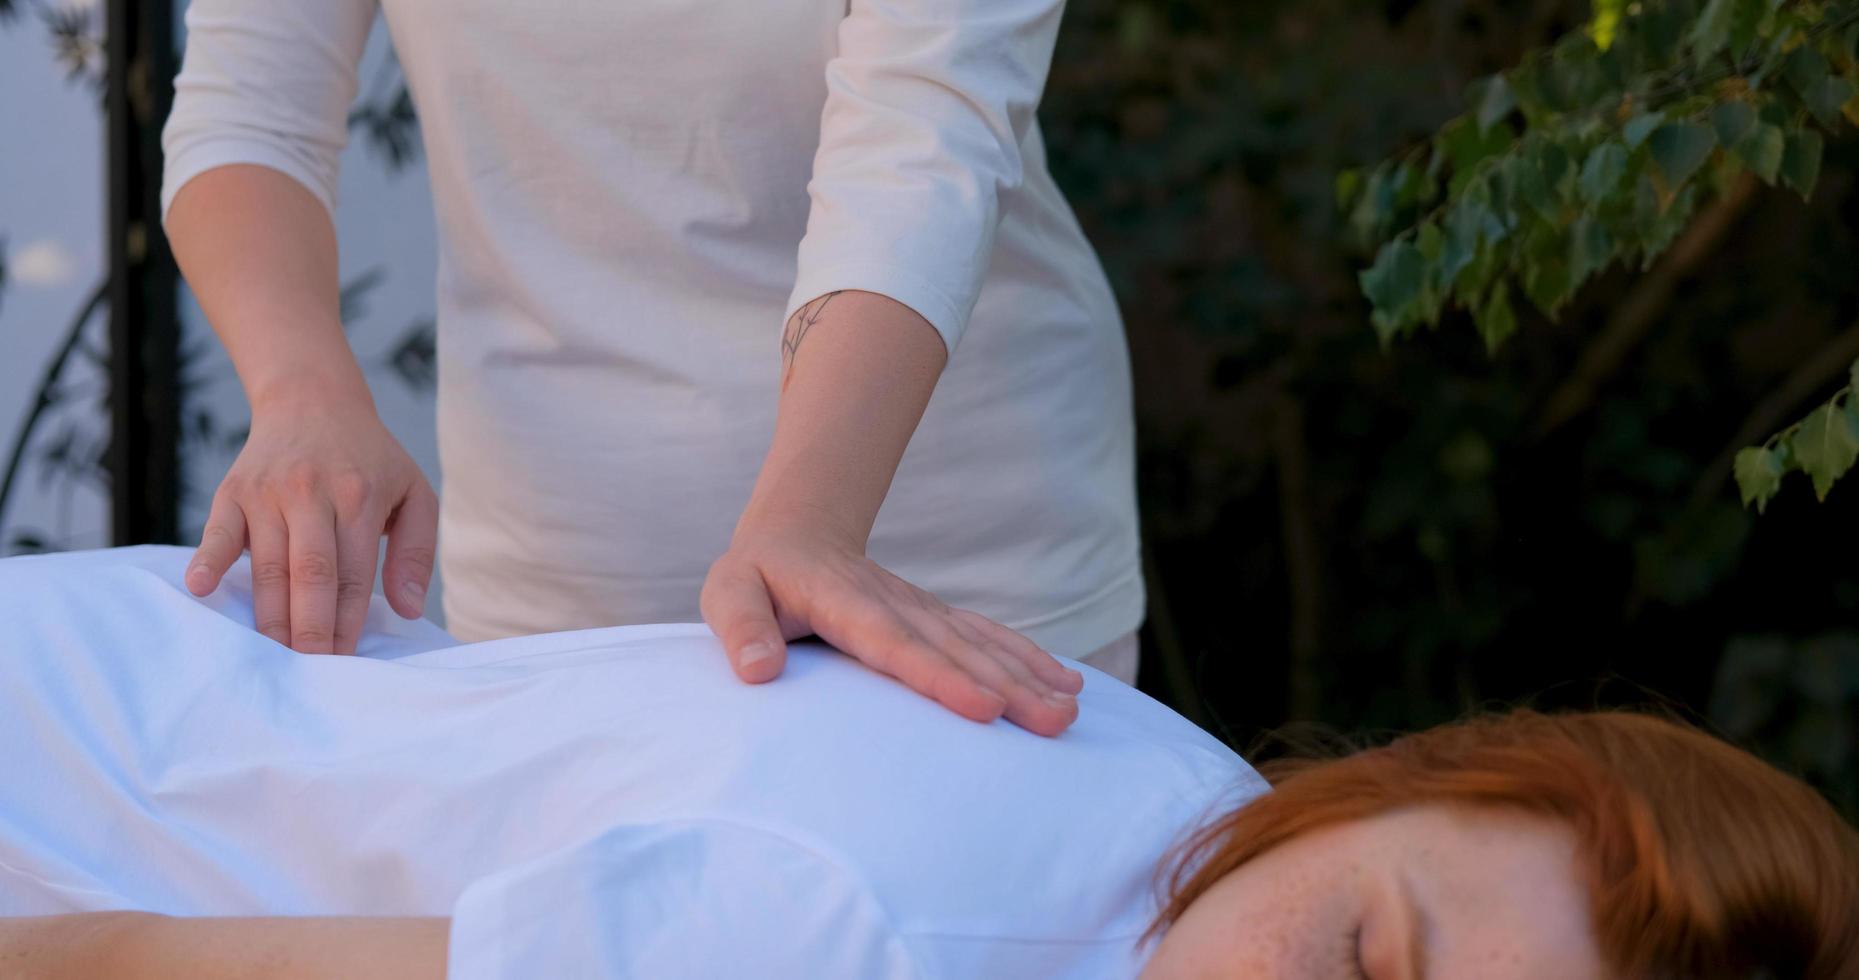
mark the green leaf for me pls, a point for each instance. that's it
(1784, 450)
(1601, 173)
(1495, 318)
(1746, 24)
(1660, 28)
(1465, 144)
(1711, 32)
(1733, 121)
(1572, 76)
(1374, 209)
(1762, 150)
(1827, 97)
(1546, 282)
(1639, 127)
(1590, 247)
(1431, 241)
(1559, 173)
(1495, 101)
(1527, 188)
(1605, 25)
(1428, 240)
(1393, 283)
(1680, 149)
(1412, 186)
(1758, 475)
(1464, 224)
(1805, 68)
(1825, 446)
(1852, 375)
(1801, 161)
(1485, 264)
(1526, 83)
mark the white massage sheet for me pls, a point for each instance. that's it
(597, 802)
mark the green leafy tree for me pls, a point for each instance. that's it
(1600, 149)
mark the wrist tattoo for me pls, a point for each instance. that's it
(804, 319)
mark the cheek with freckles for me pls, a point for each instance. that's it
(1289, 914)
(1478, 892)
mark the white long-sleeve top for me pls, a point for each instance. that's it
(631, 200)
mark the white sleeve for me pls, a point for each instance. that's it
(927, 104)
(267, 82)
(669, 900)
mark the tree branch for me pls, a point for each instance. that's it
(1830, 361)
(43, 399)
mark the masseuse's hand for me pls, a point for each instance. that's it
(318, 483)
(785, 579)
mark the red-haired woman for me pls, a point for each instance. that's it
(1561, 847)
(1606, 844)
(612, 802)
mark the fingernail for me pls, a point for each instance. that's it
(197, 577)
(759, 650)
(990, 691)
(413, 594)
(1059, 699)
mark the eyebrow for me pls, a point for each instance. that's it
(1420, 926)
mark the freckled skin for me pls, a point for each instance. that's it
(1500, 890)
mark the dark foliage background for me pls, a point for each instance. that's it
(1383, 540)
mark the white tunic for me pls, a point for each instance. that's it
(608, 802)
(632, 197)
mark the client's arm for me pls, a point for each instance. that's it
(145, 946)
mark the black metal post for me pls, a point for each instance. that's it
(144, 454)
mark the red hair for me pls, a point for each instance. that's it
(1702, 860)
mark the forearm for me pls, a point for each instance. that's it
(62, 947)
(259, 253)
(857, 370)
(142, 946)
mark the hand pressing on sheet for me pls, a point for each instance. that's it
(319, 481)
(783, 580)
(857, 371)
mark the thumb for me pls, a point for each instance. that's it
(736, 606)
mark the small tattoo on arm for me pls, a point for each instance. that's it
(804, 319)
